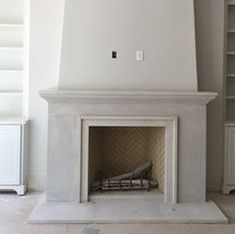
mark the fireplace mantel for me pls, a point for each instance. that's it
(127, 96)
(68, 107)
(72, 113)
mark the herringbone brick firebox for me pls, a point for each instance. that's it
(119, 150)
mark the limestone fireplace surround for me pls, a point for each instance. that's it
(170, 125)
(73, 112)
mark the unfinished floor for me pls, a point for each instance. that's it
(14, 212)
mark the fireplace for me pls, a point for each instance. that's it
(119, 145)
(74, 114)
(84, 124)
(143, 102)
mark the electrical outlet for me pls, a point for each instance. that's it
(139, 55)
(114, 54)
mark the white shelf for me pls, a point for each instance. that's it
(11, 80)
(229, 123)
(11, 47)
(11, 58)
(12, 11)
(231, 2)
(231, 53)
(231, 75)
(12, 120)
(11, 93)
(11, 35)
(12, 69)
(11, 105)
(231, 97)
(10, 26)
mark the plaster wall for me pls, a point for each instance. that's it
(45, 36)
(163, 29)
(210, 54)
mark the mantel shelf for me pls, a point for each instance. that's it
(127, 96)
(231, 75)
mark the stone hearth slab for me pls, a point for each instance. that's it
(128, 210)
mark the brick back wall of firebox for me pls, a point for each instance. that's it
(118, 150)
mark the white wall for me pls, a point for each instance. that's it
(163, 29)
(45, 37)
(210, 32)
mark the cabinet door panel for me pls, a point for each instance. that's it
(230, 154)
(10, 153)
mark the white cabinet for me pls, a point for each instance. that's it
(13, 156)
(229, 165)
(9, 154)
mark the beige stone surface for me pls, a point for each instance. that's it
(15, 210)
(119, 150)
(156, 153)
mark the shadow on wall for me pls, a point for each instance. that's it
(210, 52)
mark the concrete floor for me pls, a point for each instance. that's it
(14, 212)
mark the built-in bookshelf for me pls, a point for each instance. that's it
(12, 58)
(229, 98)
(229, 91)
(13, 90)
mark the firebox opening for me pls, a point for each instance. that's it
(126, 158)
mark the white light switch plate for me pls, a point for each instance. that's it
(139, 55)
